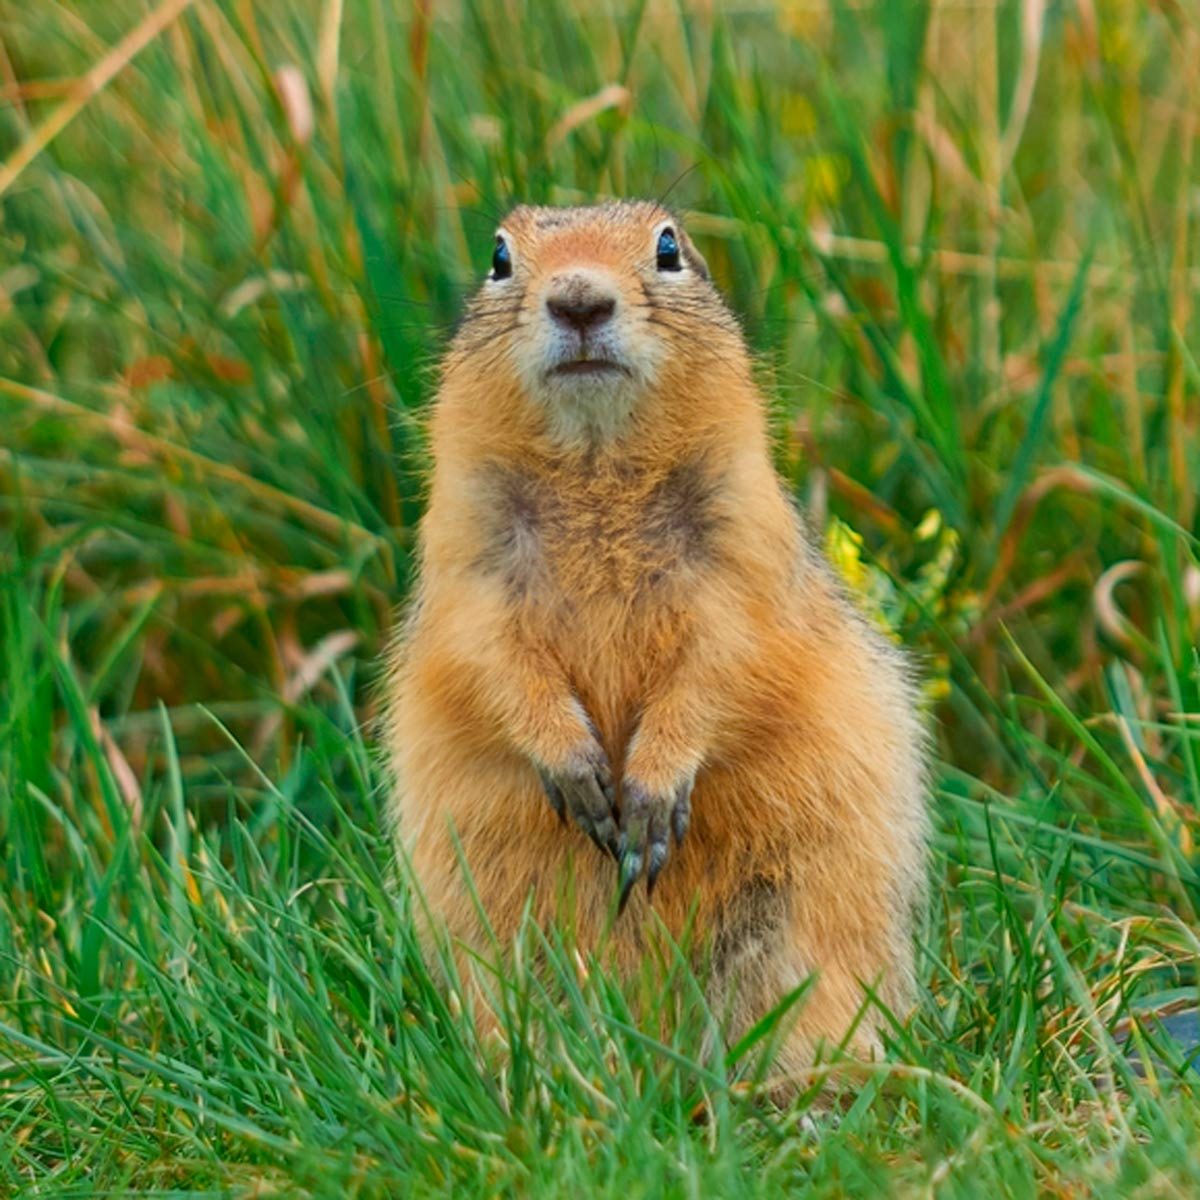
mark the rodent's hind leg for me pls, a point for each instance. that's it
(748, 948)
(761, 954)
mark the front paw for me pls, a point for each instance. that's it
(648, 819)
(582, 787)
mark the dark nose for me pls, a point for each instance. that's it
(580, 304)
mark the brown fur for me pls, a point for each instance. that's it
(657, 579)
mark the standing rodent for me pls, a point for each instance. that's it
(622, 636)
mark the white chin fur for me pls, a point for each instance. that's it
(589, 407)
(581, 408)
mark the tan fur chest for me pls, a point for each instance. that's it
(597, 534)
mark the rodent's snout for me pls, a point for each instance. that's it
(583, 353)
(580, 303)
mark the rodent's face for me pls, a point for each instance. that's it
(591, 308)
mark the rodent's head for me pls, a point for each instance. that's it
(594, 310)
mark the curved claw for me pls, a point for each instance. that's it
(658, 860)
(631, 869)
(681, 814)
(648, 821)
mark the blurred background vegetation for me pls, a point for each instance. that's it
(234, 237)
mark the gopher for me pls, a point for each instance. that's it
(625, 661)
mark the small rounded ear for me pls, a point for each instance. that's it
(692, 256)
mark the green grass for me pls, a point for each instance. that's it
(963, 247)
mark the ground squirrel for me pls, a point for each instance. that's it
(624, 647)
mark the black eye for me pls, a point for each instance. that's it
(668, 251)
(501, 259)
